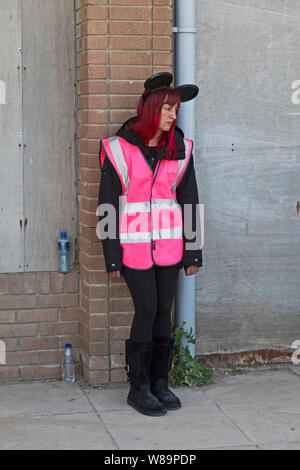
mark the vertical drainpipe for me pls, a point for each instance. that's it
(185, 73)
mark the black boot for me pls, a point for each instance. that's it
(138, 364)
(161, 364)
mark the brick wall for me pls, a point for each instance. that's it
(39, 313)
(119, 44)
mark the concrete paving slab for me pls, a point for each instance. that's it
(191, 397)
(201, 426)
(277, 385)
(108, 399)
(40, 398)
(265, 422)
(236, 448)
(281, 446)
(59, 432)
(295, 369)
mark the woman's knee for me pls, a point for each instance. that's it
(164, 307)
(149, 309)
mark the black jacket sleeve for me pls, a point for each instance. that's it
(109, 192)
(187, 193)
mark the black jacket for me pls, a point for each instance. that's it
(111, 188)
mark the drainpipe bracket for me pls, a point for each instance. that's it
(180, 29)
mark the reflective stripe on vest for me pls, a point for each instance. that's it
(150, 217)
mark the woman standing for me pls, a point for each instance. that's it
(148, 176)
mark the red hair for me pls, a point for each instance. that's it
(149, 113)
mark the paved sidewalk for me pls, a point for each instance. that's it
(259, 409)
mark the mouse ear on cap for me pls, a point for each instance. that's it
(158, 81)
(187, 92)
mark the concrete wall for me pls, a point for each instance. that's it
(248, 170)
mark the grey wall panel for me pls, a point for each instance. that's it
(11, 155)
(49, 126)
(248, 292)
(247, 60)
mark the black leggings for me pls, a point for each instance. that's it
(152, 292)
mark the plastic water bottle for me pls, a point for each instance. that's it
(63, 244)
(67, 365)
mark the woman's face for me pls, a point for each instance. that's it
(168, 116)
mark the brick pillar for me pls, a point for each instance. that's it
(119, 44)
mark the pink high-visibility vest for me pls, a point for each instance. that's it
(151, 225)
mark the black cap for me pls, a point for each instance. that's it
(162, 80)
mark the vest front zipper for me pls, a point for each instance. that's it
(153, 241)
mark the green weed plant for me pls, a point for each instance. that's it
(185, 369)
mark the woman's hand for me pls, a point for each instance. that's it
(116, 274)
(191, 270)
